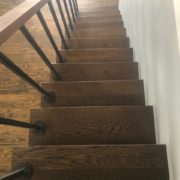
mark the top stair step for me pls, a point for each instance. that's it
(91, 4)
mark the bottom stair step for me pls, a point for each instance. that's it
(116, 162)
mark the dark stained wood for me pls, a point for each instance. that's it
(83, 125)
(93, 43)
(84, 25)
(97, 71)
(95, 125)
(96, 162)
(96, 93)
(99, 32)
(109, 12)
(101, 9)
(98, 55)
(100, 19)
(86, 4)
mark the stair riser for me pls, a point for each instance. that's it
(105, 93)
(106, 174)
(109, 125)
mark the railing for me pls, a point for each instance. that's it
(15, 20)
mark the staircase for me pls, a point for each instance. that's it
(99, 127)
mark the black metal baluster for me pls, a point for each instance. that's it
(68, 14)
(75, 9)
(63, 17)
(57, 24)
(76, 5)
(35, 45)
(24, 171)
(72, 11)
(48, 96)
(39, 126)
(49, 35)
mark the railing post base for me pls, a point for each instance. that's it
(22, 171)
(51, 98)
(57, 78)
(42, 128)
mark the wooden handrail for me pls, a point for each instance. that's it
(14, 19)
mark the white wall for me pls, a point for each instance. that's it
(177, 16)
(153, 31)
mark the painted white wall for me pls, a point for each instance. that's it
(177, 16)
(153, 27)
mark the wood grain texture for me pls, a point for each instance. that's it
(98, 4)
(109, 12)
(96, 93)
(97, 71)
(99, 9)
(100, 19)
(86, 25)
(94, 43)
(91, 156)
(136, 162)
(95, 125)
(99, 32)
(82, 125)
(5, 159)
(98, 55)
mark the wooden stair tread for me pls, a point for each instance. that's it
(85, 25)
(101, 9)
(138, 162)
(100, 19)
(99, 32)
(93, 43)
(97, 71)
(98, 55)
(95, 125)
(98, 93)
(100, 14)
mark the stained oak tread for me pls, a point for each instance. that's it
(86, 25)
(98, 55)
(105, 93)
(93, 43)
(97, 71)
(96, 162)
(95, 125)
(99, 32)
